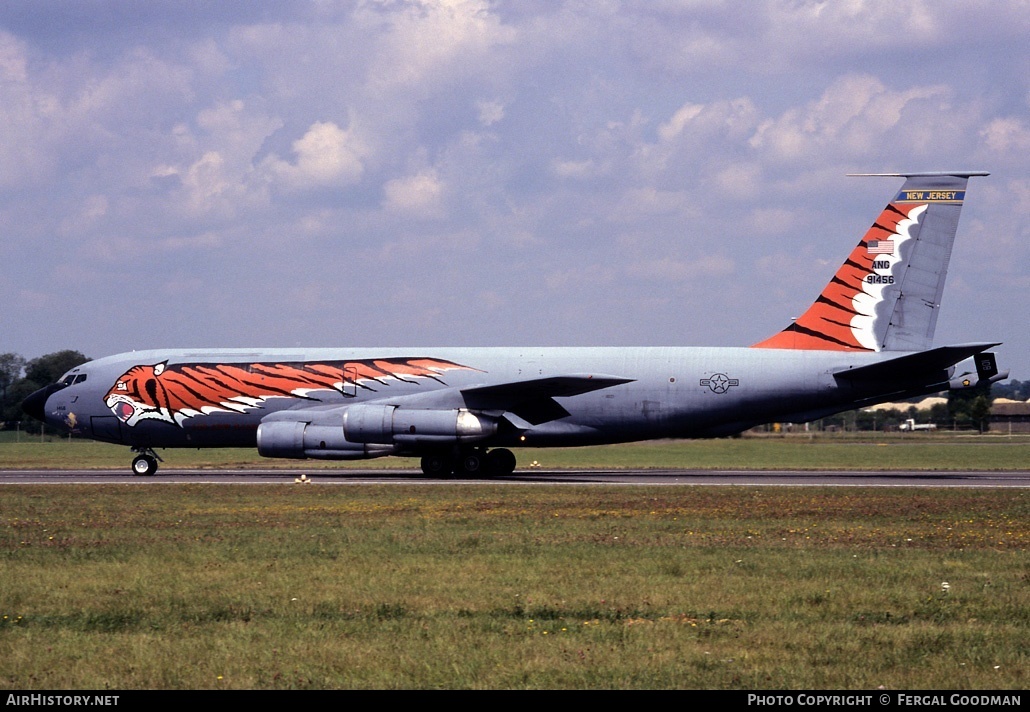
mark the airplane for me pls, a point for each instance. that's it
(866, 339)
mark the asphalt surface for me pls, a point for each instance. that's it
(526, 477)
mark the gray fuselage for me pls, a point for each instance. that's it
(669, 392)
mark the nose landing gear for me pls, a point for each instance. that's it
(145, 463)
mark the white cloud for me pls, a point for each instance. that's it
(674, 126)
(850, 119)
(27, 116)
(420, 195)
(696, 132)
(12, 59)
(425, 42)
(576, 169)
(212, 172)
(490, 112)
(206, 180)
(325, 156)
(740, 180)
(1007, 135)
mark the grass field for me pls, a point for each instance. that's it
(494, 587)
(268, 587)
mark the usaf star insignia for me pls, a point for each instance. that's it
(720, 382)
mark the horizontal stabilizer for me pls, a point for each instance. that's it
(914, 365)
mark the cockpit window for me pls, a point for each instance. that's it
(72, 378)
(80, 378)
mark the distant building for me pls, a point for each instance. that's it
(1010, 416)
(1007, 416)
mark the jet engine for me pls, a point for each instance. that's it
(369, 430)
(298, 439)
(376, 423)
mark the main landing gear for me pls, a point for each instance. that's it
(145, 463)
(470, 463)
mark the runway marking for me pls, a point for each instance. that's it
(715, 478)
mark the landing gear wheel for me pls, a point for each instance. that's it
(500, 462)
(144, 465)
(436, 466)
(472, 464)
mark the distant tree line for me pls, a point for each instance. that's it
(20, 377)
(964, 410)
(1013, 390)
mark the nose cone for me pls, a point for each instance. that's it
(35, 404)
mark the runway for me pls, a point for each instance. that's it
(794, 478)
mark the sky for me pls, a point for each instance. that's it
(419, 173)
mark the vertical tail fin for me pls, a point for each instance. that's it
(886, 295)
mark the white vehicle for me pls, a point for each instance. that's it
(911, 425)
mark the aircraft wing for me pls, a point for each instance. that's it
(533, 400)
